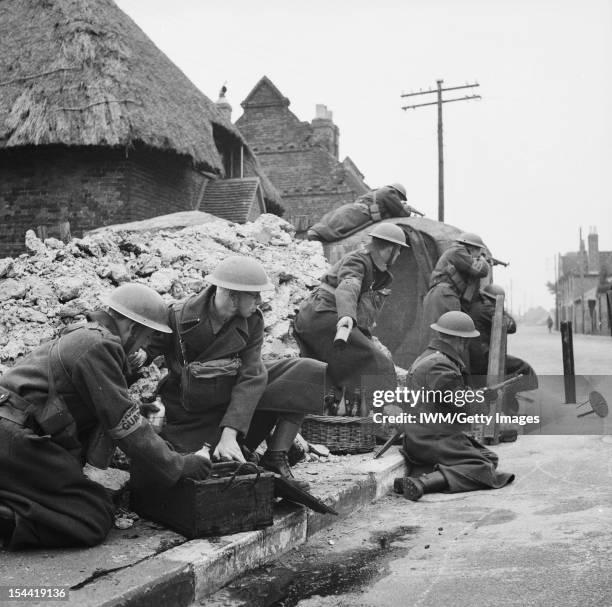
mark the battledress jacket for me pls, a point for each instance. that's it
(196, 415)
(41, 476)
(452, 286)
(355, 286)
(465, 463)
(367, 209)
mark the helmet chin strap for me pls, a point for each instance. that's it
(135, 330)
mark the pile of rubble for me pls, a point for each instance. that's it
(55, 283)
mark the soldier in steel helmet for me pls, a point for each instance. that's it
(350, 296)
(454, 281)
(459, 462)
(218, 391)
(482, 310)
(382, 203)
(52, 404)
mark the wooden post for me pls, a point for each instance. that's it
(64, 231)
(41, 232)
(567, 349)
(497, 368)
(609, 306)
(440, 155)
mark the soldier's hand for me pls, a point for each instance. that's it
(196, 467)
(137, 359)
(227, 448)
(345, 321)
(147, 409)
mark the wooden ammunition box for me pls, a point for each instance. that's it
(235, 498)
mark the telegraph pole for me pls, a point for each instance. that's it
(439, 90)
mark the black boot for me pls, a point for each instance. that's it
(7, 522)
(278, 462)
(414, 488)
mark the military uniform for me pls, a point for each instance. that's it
(482, 311)
(465, 464)
(355, 286)
(43, 441)
(451, 286)
(347, 219)
(243, 392)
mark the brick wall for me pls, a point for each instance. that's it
(269, 128)
(302, 164)
(88, 187)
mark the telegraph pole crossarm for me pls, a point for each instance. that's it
(450, 88)
(439, 90)
(411, 107)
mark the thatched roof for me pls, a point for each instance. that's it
(81, 72)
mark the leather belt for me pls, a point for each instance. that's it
(9, 411)
(327, 288)
(13, 415)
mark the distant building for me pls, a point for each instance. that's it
(584, 289)
(98, 126)
(300, 158)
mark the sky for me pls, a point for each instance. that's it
(526, 166)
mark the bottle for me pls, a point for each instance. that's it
(342, 335)
(342, 404)
(363, 405)
(328, 402)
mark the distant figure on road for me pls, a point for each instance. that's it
(549, 323)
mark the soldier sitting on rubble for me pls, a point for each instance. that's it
(219, 394)
(350, 296)
(460, 463)
(454, 281)
(482, 311)
(383, 203)
(54, 401)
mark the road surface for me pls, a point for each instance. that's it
(545, 540)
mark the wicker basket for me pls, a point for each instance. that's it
(235, 498)
(340, 434)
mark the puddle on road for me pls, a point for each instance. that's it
(330, 574)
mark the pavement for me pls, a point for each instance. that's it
(148, 565)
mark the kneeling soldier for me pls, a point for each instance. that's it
(460, 462)
(218, 391)
(54, 401)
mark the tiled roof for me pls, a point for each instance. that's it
(237, 200)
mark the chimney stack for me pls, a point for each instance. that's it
(593, 251)
(326, 133)
(223, 105)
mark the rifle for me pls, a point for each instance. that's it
(504, 384)
(498, 262)
(397, 434)
(415, 211)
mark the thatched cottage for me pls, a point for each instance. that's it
(98, 126)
